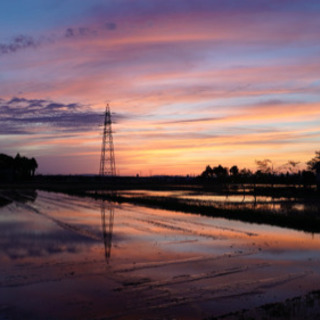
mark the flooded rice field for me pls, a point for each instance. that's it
(232, 201)
(66, 257)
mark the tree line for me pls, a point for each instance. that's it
(288, 173)
(17, 168)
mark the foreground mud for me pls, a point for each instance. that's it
(304, 307)
(66, 257)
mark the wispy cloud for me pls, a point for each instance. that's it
(18, 43)
(22, 116)
(24, 41)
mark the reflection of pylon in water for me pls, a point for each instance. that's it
(107, 160)
(107, 227)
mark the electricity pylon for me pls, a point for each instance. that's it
(107, 160)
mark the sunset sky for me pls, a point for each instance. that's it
(190, 83)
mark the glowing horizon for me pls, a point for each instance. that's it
(191, 83)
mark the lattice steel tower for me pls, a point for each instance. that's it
(107, 160)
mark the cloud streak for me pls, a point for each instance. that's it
(23, 116)
(23, 41)
(18, 43)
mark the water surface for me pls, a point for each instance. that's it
(233, 201)
(69, 257)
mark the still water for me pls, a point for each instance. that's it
(233, 201)
(77, 258)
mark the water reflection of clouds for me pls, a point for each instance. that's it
(25, 234)
(19, 241)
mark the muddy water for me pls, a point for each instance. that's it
(64, 257)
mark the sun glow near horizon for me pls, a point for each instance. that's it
(190, 83)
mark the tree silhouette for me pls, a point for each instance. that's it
(234, 171)
(21, 165)
(264, 166)
(314, 165)
(33, 165)
(267, 175)
(246, 173)
(207, 173)
(17, 168)
(5, 161)
(220, 171)
(293, 166)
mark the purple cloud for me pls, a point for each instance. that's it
(22, 116)
(18, 43)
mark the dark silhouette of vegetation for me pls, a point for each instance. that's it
(18, 168)
(314, 163)
(207, 173)
(219, 172)
(9, 195)
(266, 173)
(264, 166)
(234, 171)
(314, 166)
